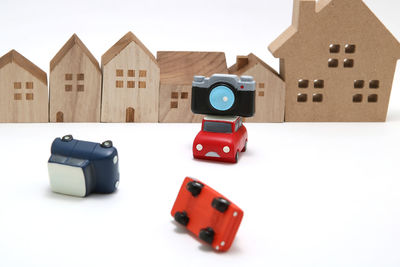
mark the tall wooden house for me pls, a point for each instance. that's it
(75, 84)
(23, 90)
(177, 72)
(131, 80)
(270, 88)
(338, 61)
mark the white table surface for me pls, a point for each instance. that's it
(313, 195)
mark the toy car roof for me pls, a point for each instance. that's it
(221, 118)
(80, 149)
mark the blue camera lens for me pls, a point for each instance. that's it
(222, 98)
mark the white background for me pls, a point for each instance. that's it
(313, 194)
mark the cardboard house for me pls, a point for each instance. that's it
(131, 80)
(338, 61)
(270, 88)
(23, 90)
(177, 72)
(75, 84)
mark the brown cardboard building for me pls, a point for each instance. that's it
(270, 88)
(75, 84)
(177, 71)
(338, 61)
(23, 90)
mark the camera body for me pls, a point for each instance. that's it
(79, 168)
(224, 95)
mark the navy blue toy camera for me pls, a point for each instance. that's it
(79, 168)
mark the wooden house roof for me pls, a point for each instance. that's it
(180, 67)
(15, 57)
(244, 63)
(121, 45)
(320, 8)
(74, 40)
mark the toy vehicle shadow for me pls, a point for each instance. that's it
(183, 230)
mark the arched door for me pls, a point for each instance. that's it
(60, 117)
(130, 114)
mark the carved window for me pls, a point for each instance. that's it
(130, 84)
(348, 63)
(318, 98)
(68, 88)
(80, 87)
(29, 85)
(261, 93)
(373, 98)
(334, 48)
(143, 73)
(302, 98)
(80, 77)
(119, 84)
(303, 83)
(357, 98)
(374, 84)
(131, 73)
(350, 49)
(142, 84)
(359, 84)
(17, 96)
(17, 85)
(174, 95)
(333, 63)
(174, 104)
(184, 95)
(319, 84)
(119, 73)
(29, 96)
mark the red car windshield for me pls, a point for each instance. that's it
(217, 127)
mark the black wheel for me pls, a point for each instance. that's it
(207, 235)
(245, 147)
(237, 157)
(107, 144)
(181, 218)
(67, 138)
(220, 204)
(194, 188)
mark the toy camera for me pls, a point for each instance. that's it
(224, 94)
(79, 168)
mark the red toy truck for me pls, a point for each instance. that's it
(207, 214)
(220, 139)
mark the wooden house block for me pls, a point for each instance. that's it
(131, 81)
(177, 72)
(23, 90)
(270, 88)
(75, 84)
(338, 61)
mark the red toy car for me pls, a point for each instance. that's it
(220, 139)
(207, 214)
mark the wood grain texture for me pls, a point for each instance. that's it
(270, 88)
(131, 81)
(342, 32)
(75, 84)
(177, 71)
(23, 90)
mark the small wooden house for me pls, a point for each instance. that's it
(23, 90)
(131, 81)
(270, 88)
(177, 72)
(75, 84)
(338, 61)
